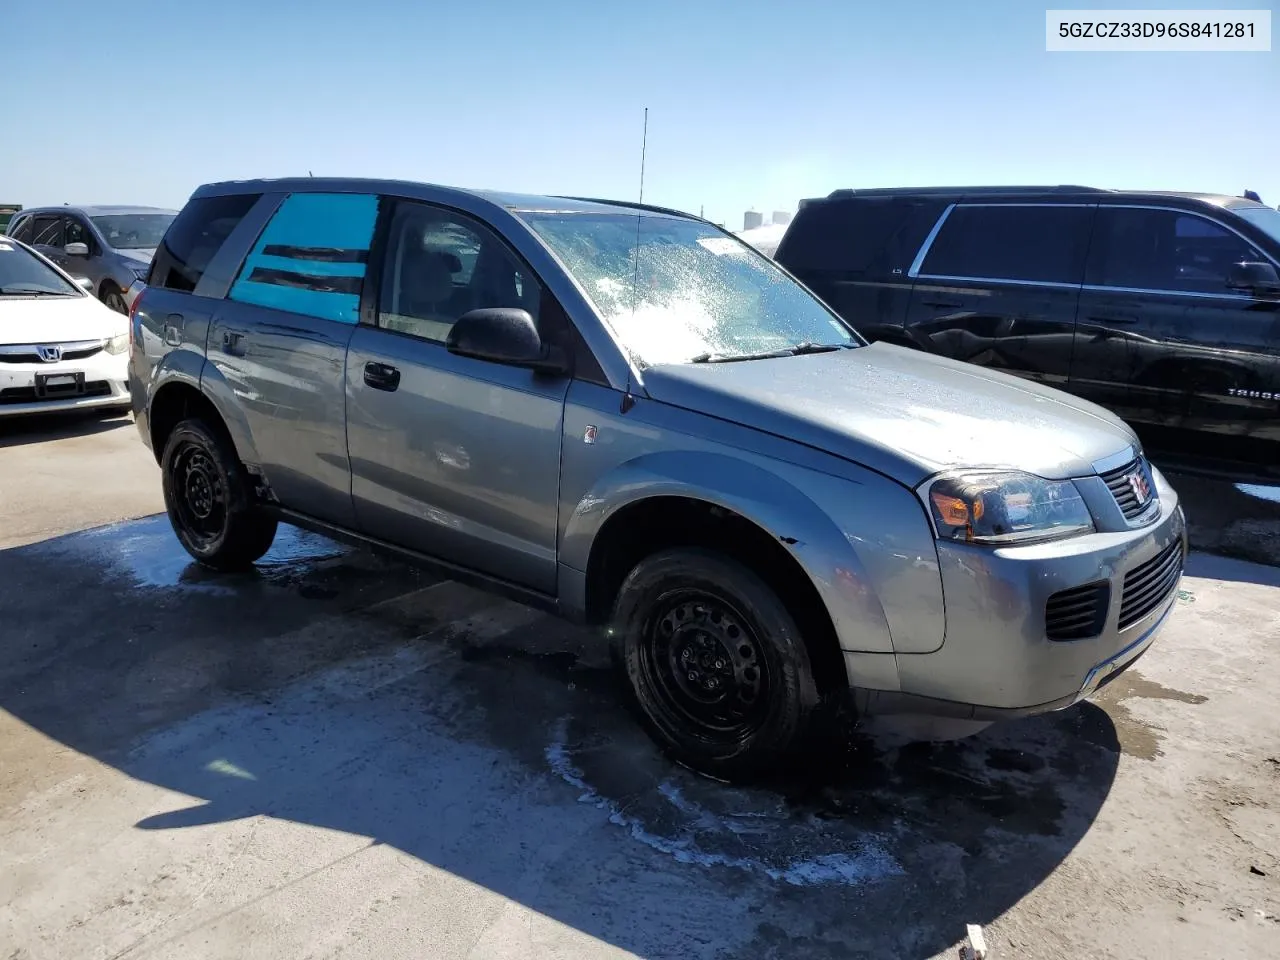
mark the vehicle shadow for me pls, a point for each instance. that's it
(38, 428)
(340, 691)
(1230, 519)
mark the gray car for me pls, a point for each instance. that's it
(111, 246)
(625, 415)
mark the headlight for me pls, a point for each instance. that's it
(1005, 507)
(118, 344)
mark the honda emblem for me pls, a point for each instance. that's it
(50, 354)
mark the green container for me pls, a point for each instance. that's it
(7, 210)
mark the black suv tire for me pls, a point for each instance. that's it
(716, 663)
(209, 498)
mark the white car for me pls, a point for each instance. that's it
(60, 348)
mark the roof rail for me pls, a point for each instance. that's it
(894, 191)
(635, 206)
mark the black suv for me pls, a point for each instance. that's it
(1163, 307)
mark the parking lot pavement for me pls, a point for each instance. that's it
(340, 756)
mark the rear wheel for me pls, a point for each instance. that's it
(209, 498)
(716, 663)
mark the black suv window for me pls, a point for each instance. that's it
(194, 237)
(1168, 250)
(1034, 243)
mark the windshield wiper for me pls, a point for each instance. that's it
(12, 292)
(798, 350)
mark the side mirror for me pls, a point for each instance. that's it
(505, 335)
(76, 249)
(1254, 277)
(84, 283)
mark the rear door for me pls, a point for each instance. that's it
(280, 341)
(1165, 341)
(451, 456)
(998, 286)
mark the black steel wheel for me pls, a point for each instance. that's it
(718, 668)
(210, 501)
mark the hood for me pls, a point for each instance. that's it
(58, 320)
(142, 256)
(901, 412)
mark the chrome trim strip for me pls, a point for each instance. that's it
(914, 269)
(1111, 664)
(1116, 460)
(1103, 288)
(1051, 284)
(67, 346)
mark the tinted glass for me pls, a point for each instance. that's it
(133, 231)
(1165, 250)
(22, 274)
(853, 236)
(439, 265)
(194, 237)
(47, 232)
(312, 256)
(23, 231)
(1045, 244)
(77, 232)
(688, 289)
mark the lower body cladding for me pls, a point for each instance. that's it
(83, 383)
(1034, 628)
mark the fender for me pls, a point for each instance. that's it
(222, 395)
(768, 500)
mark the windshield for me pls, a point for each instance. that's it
(133, 231)
(693, 293)
(1264, 218)
(24, 274)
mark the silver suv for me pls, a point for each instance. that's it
(625, 415)
(111, 246)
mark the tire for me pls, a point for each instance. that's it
(744, 695)
(113, 298)
(209, 498)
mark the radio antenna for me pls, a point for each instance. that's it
(627, 399)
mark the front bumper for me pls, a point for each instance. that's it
(100, 380)
(997, 660)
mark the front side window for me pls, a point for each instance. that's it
(674, 290)
(441, 264)
(1264, 218)
(133, 231)
(195, 235)
(1165, 250)
(77, 232)
(24, 275)
(1041, 244)
(312, 256)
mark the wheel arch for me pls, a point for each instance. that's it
(180, 395)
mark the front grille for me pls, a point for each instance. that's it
(1078, 613)
(1149, 584)
(1117, 482)
(94, 388)
(27, 353)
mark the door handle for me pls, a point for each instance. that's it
(1118, 319)
(233, 342)
(381, 376)
(946, 304)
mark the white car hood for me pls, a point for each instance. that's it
(58, 320)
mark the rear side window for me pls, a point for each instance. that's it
(1045, 244)
(194, 237)
(312, 256)
(852, 236)
(1165, 250)
(23, 230)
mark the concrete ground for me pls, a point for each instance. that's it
(338, 756)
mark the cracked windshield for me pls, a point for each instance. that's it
(677, 290)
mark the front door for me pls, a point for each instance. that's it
(450, 456)
(1164, 340)
(999, 285)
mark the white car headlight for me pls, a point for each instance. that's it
(118, 344)
(1001, 507)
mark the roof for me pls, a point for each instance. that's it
(515, 202)
(1060, 191)
(97, 210)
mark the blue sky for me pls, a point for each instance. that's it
(751, 104)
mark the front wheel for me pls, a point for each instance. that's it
(208, 496)
(715, 661)
(114, 299)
